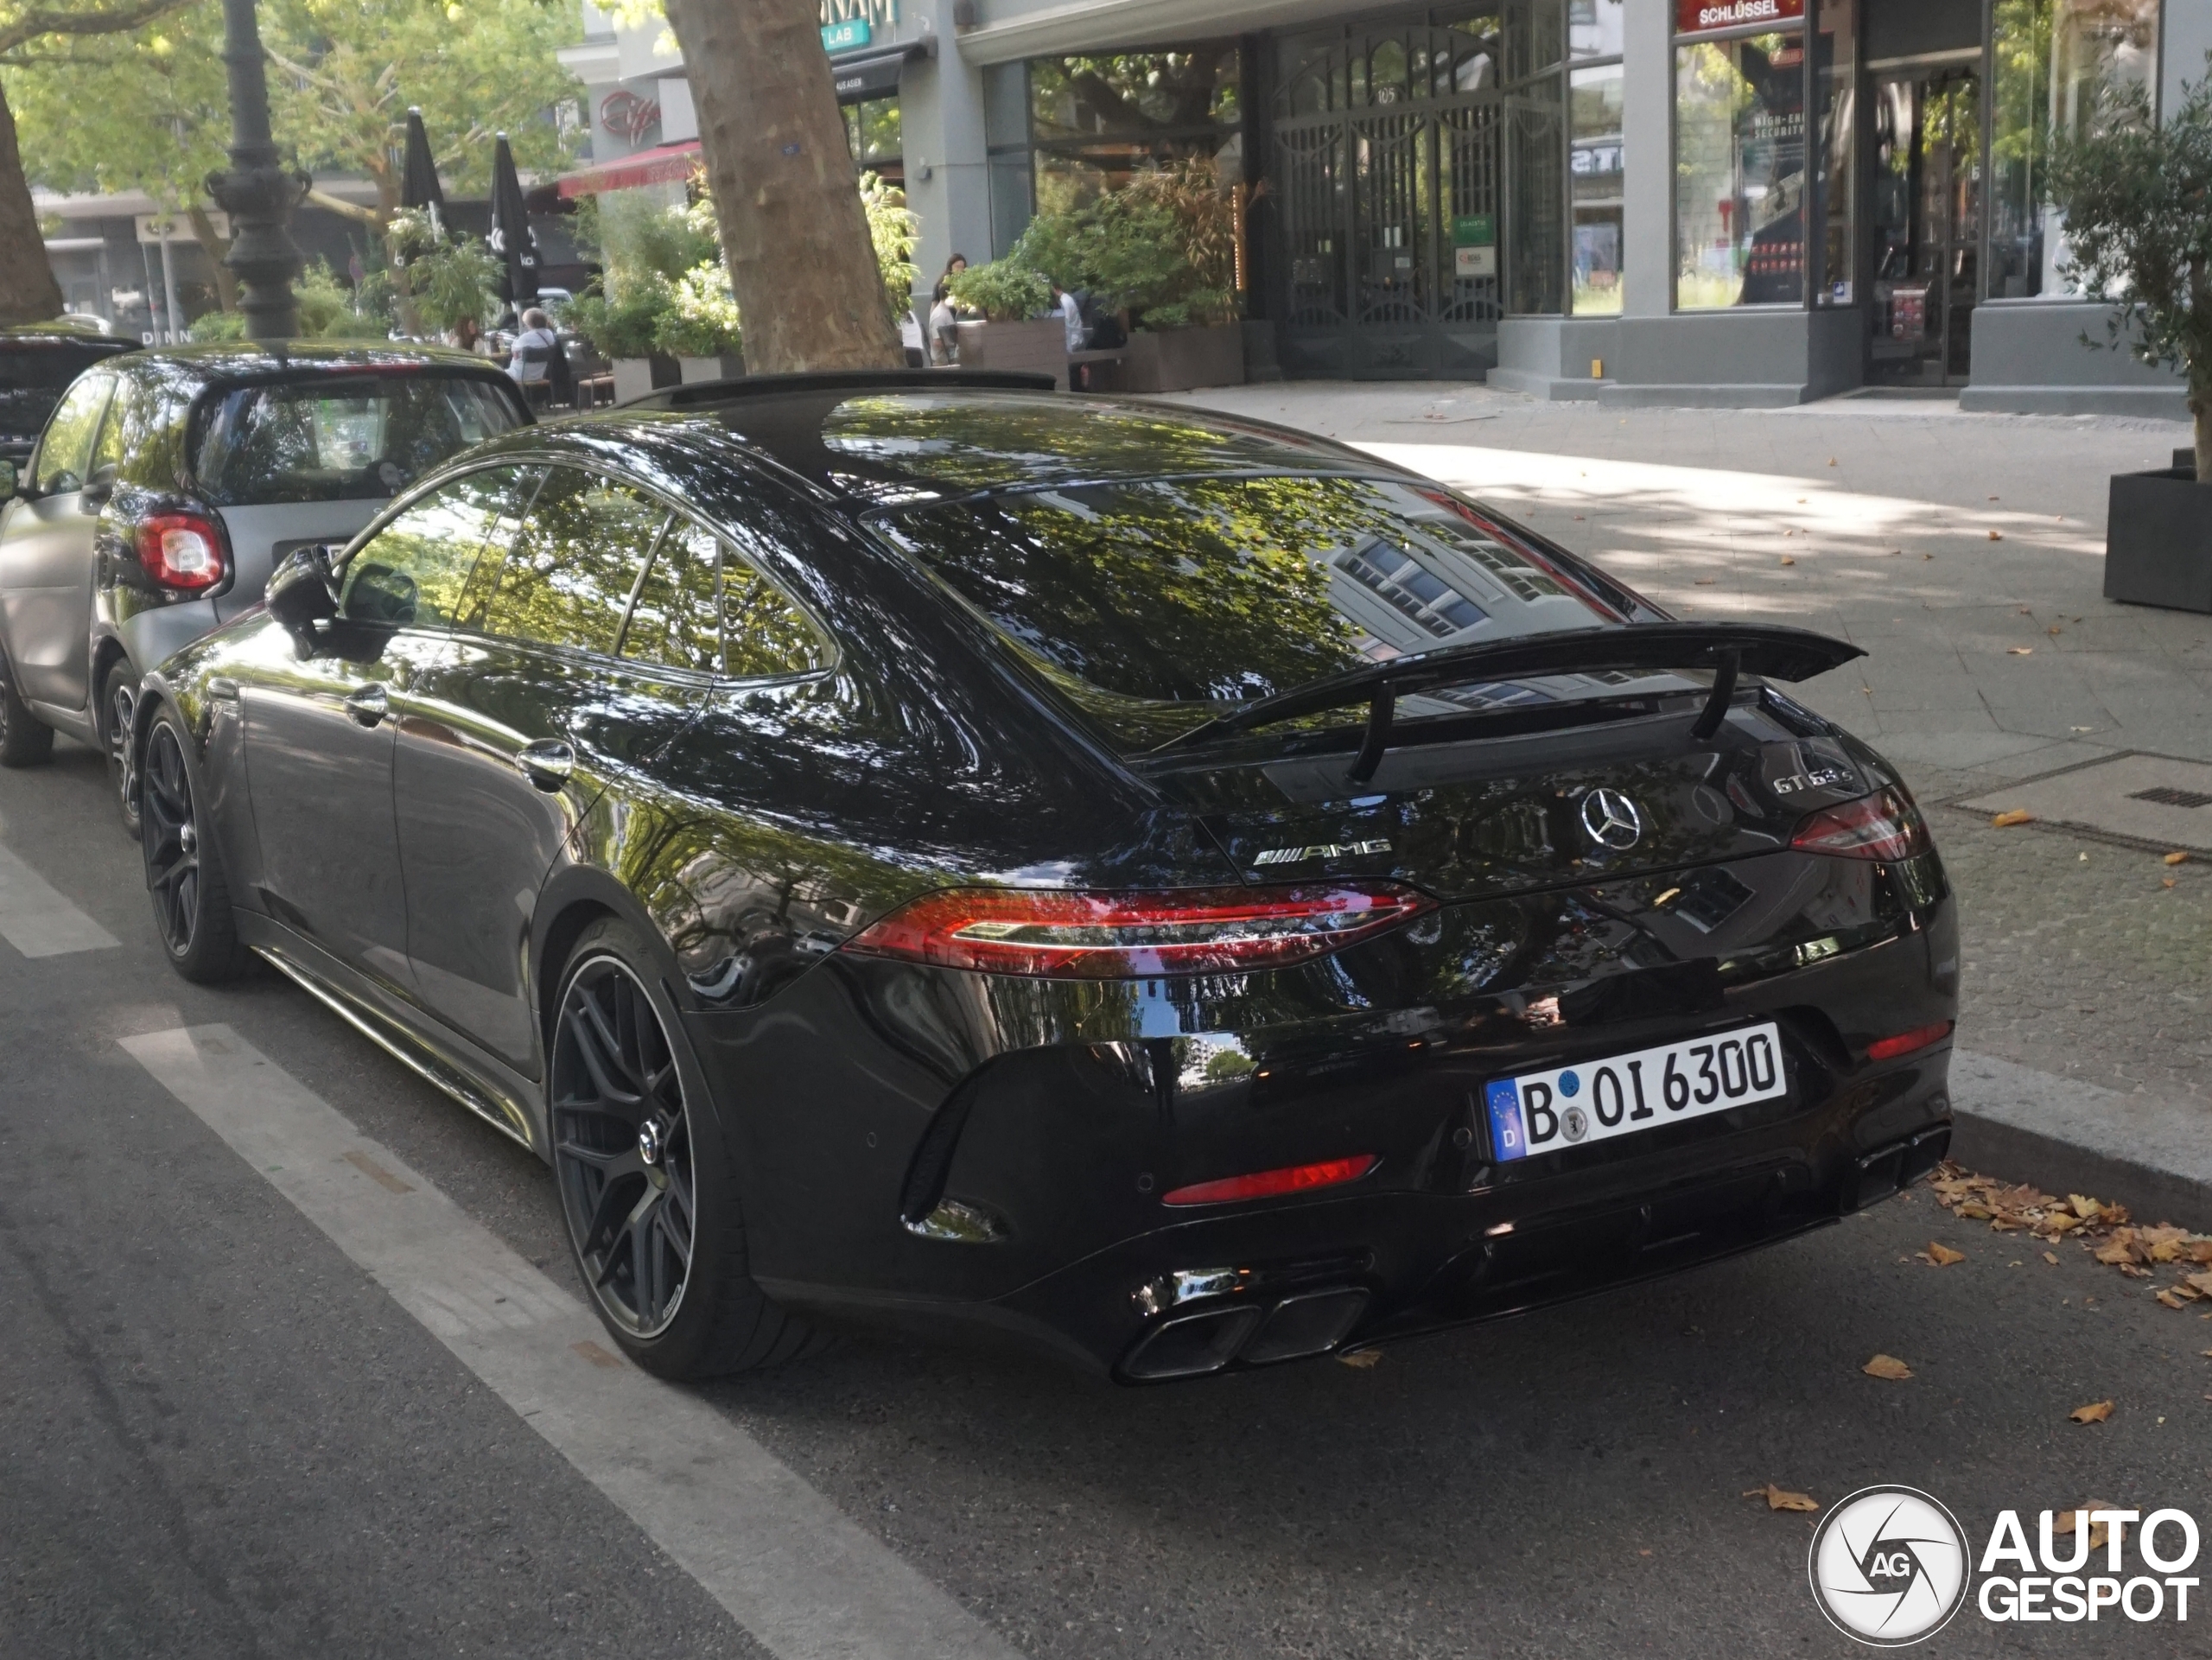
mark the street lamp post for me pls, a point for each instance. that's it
(256, 190)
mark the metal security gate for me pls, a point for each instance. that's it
(1388, 168)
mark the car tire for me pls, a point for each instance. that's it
(25, 741)
(669, 1277)
(119, 706)
(184, 866)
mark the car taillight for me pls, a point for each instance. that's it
(1905, 1043)
(1885, 825)
(182, 550)
(1271, 1184)
(1062, 934)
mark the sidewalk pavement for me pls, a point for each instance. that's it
(1965, 552)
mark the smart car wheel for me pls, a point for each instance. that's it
(184, 872)
(644, 1177)
(25, 741)
(119, 708)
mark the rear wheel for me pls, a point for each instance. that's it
(25, 741)
(119, 708)
(184, 872)
(644, 1176)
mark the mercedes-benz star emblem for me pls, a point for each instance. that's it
(649, 1142)
(1612, 819)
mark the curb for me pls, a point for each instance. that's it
(2066, 1137)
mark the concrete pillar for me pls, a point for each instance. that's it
(941, 131)
(2187, 28)
(1647, 130)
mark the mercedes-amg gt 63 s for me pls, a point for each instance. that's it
(919, 848)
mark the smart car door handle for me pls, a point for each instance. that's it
(368, 705)
(546, 763)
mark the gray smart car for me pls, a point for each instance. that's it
(166, 486)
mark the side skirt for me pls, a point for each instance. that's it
(503, 1109)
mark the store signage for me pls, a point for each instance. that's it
(1474, 231)
(849, 23)
(153, 227)
(1703, 17)
(844, 37)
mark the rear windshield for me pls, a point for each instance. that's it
(33, 379)
(343, 438)
(1214, 590)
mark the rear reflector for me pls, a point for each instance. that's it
(1905, 1042)
(1270, 1184)
(1063, 934)
(1885, 825)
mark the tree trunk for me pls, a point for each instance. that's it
(215, 247)
(28, 293)
(801, 266)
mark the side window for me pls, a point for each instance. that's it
(568, 579)
(763, 632)
(109, 449)
(413, 572)
(66, 448)
(675, 621)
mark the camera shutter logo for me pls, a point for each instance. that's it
(1889, 1566)
(1612, 819)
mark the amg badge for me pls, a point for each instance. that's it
(1318, 850)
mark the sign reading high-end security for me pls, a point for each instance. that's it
(1702, 17)
(850, 23)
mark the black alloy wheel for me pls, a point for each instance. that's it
(119, 709)
(192, 902)
(25, 741)
(622, 1145)
(644, 1177)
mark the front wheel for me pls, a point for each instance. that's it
(119, 709)
(644, 1176)
(184, 870)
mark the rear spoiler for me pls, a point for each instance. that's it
(1770, 650)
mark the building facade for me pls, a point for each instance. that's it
(1737, 202)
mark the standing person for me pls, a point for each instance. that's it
(945, 329)
(531, 362)
(953, 267)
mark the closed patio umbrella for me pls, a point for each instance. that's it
(419, 187)
(511, 239)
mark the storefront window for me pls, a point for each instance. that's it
(1594, 179)
(1593, 28)
(872, 129)
(1095, 121)
(1836, 92)
(1739, 168)
(2057, 65)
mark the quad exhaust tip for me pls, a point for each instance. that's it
(1190, 1345)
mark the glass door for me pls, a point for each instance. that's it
(1927, 229)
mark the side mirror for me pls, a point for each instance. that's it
(100, 487)
(301, 592)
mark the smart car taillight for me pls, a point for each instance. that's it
(1058, 933)
(182, 550)
(1885, 825)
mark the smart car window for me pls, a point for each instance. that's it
(65, 451)
(33, 377)
(413, 572)
(568, 579)
(336, 437)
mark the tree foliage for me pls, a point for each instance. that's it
(1163, 247)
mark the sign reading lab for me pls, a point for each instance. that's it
(850, 23)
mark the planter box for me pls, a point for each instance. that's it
(1038, 346)
(2158, 540)
(635, 377)
(728, 366)
(1176, 360)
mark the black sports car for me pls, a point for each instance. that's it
(1154, 884)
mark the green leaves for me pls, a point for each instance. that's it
(1162, 247)
(1005, 290)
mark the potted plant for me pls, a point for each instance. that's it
(1013, 335)
(2137, 197)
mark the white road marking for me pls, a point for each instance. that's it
(790, 1568)
(36, 920)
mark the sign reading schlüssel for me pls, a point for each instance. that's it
(1701, 16)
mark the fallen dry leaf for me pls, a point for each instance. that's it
(2167, 882)
(2051, 1256)
(2053, 631)
(2020, 651)
(1787, 560)
(1705, 581)
(2202, 1282)
(2171, 1301)
(2095, 1412)
(1941, 1256)
(2177, 858)
(2084, 1206)
(1365, 1360)
(1888, 1366)
(1831, 461)
(1997, 536)
(1779, 1499)
(2015, 816)
(2112, 1254)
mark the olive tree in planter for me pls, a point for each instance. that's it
(2137, 195)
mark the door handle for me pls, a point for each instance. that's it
(369, 704)
(223, 689)
(546, 763)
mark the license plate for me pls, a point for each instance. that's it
(1597, 1100)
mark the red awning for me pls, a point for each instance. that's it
(668, 164)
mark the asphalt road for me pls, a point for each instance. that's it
(220, 1436)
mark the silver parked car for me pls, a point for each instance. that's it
(168, 483)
